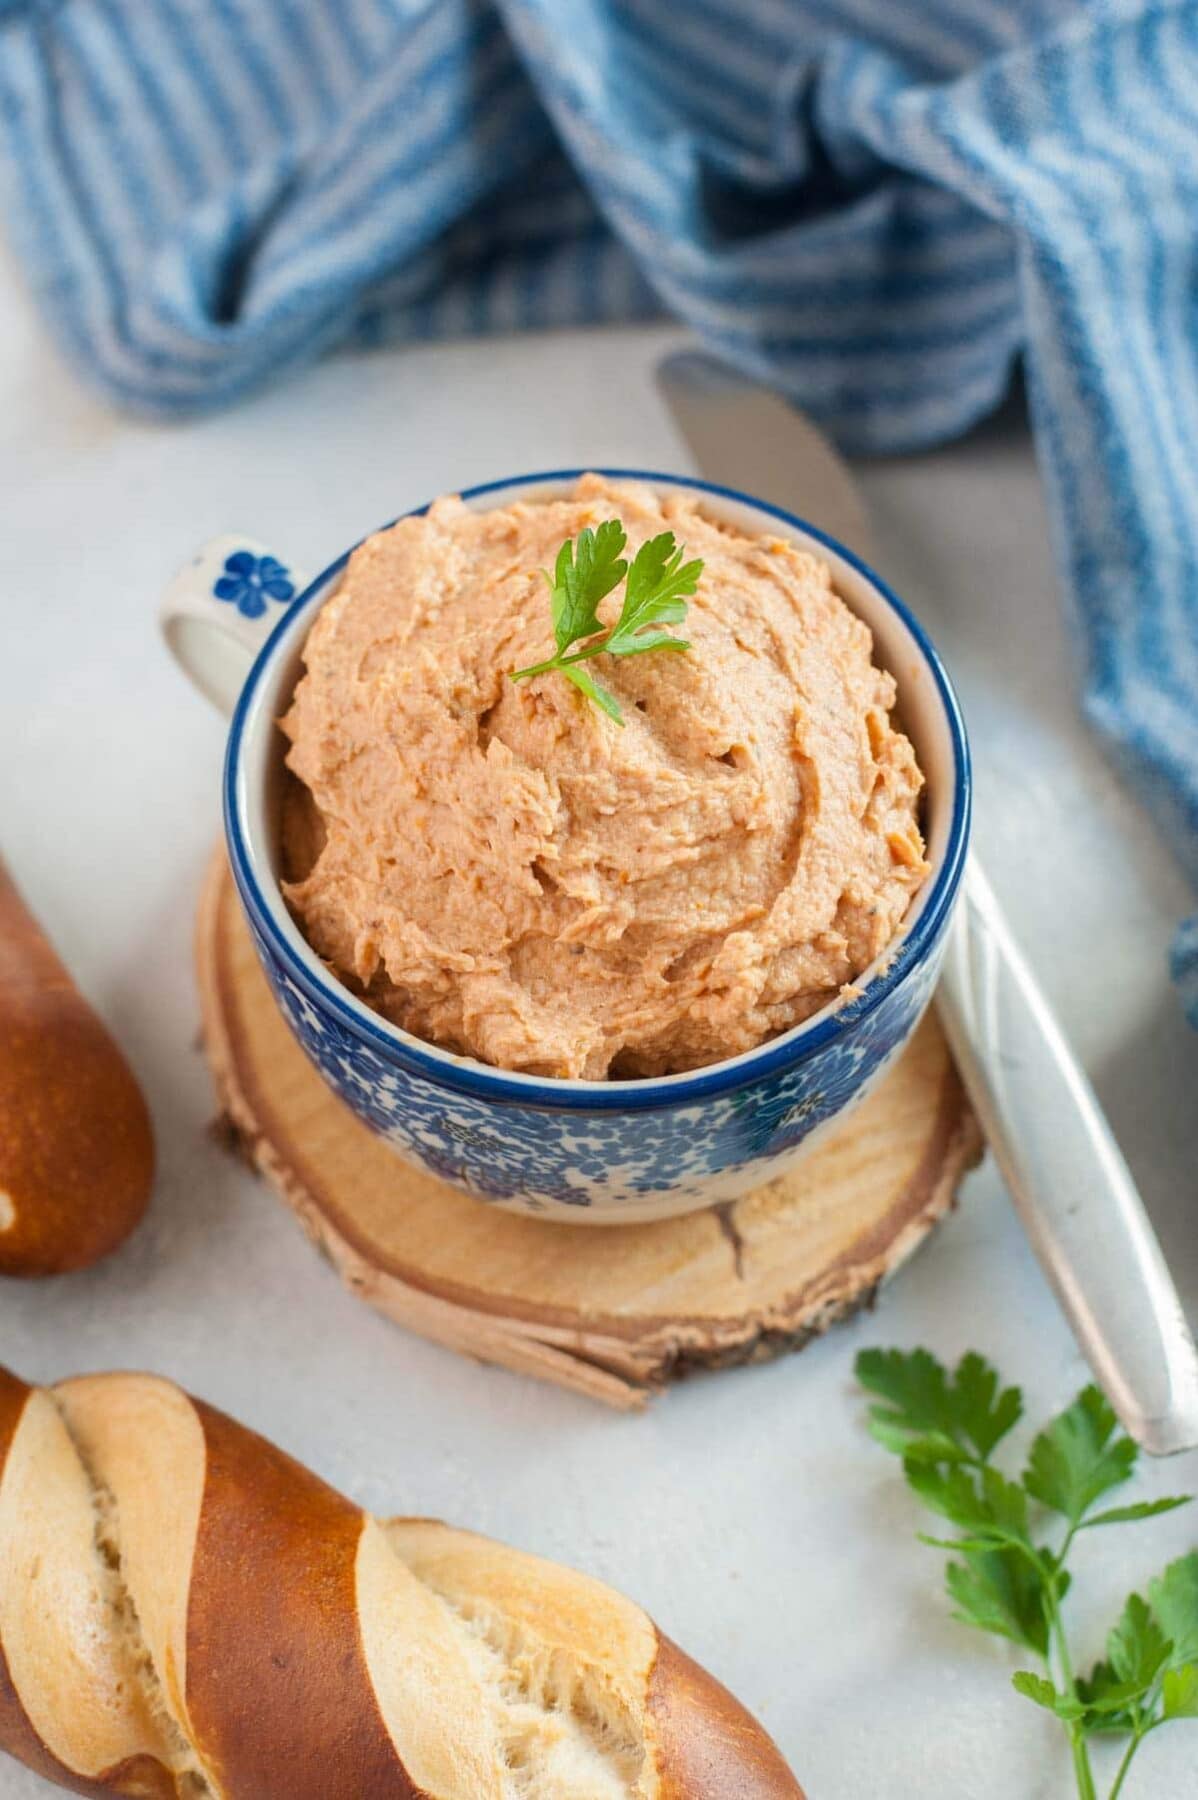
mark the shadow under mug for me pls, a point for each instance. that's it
(601, 1152)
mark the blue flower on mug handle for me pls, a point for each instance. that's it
(249, 581)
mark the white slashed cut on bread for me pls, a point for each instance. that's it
(187, 1612)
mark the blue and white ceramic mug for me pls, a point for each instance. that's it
(581, 1151)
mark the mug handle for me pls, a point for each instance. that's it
(220, 609)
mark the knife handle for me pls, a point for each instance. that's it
(1068, 1178)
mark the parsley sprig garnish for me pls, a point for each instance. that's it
(1006, 1577)
(654, 595)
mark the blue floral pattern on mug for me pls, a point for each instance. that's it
(249, 581)
(544, 1158)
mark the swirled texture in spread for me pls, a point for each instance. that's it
(502, 870)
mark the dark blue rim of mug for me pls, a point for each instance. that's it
(777, 1054)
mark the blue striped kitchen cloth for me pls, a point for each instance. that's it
(876, 205)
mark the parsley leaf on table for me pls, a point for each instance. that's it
(584, 574)
(999, 1591)
(1179, 1691)
(1075, 1460)
(932, 1417)
(1005, 1578)
(1041, 1691)
(1173, 1597)
(1137, 1648)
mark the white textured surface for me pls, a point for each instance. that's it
(747, 1510)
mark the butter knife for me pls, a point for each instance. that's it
(1068, 1179)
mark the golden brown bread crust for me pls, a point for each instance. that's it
(76, 1148)
(708, 1746)
(285, 1646)
(268, 1703)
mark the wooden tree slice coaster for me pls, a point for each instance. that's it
(613, 1312)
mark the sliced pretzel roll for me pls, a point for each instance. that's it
(253, 1583)
(185, 1611)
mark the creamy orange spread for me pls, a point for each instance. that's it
(501, 869)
